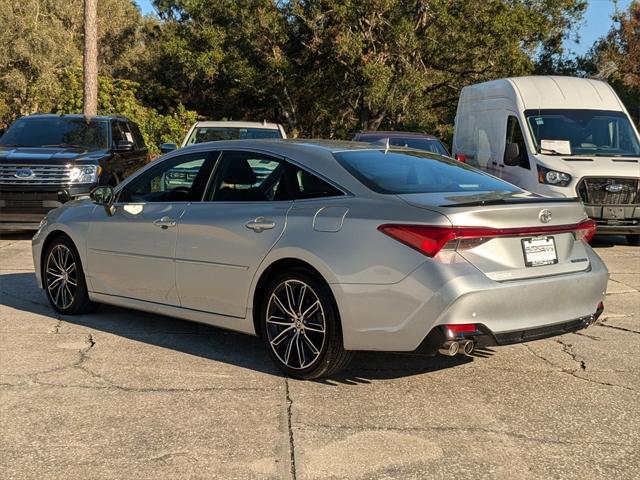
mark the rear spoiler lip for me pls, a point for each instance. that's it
(513, 201)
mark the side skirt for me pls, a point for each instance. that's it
(237, 324)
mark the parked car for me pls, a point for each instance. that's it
(559, 137)
(341, 247)
(420, 141)
(46, 160)
(210, 131)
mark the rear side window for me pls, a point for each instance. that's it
(397, 172)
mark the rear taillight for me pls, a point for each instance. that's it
(429, 240)
(585, 230)
(461, 157)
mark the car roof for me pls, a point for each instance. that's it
(99, 118)
(395, 134)
(237, 124)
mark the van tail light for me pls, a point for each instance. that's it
(461, 157)
(429, 240)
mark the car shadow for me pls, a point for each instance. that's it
(18, 291)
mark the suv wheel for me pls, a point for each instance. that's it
(301, 326)
(63, 279)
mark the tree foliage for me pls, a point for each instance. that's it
(322, 67)
(616, 58)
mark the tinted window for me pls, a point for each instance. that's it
(250, 177)
(514, 135)
(57, 131)
(589, 132)
(254, 177)
(415, 172)
(212, 134)
(179, 179)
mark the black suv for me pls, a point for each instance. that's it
(46, 160)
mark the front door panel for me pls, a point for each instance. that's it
(131, 256)
(217, 255)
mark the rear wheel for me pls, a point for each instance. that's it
(633, 240)
(63, 279)
(301, 326)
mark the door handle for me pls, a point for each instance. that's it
(165, 222)
(260, 224)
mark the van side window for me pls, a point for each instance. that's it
(514, 135)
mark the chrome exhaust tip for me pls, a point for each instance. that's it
(449, 349)
(467, 347)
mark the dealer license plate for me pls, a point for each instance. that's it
(539, 251)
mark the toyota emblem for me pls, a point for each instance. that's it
(545, 215)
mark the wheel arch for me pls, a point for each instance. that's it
(273, 269)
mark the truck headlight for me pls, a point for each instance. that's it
(553, 177)
(84, 174)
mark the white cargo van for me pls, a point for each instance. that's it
(556, 136)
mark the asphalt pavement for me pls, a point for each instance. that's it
(120, 394)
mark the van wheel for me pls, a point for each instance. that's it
(633, 240)
(64, 280)
(301, 328)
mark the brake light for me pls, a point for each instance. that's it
(585, 231)
(461, 157)
(429, 240)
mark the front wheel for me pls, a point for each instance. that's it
(301, 326)
(633, 239)
(63, 279)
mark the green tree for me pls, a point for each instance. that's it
(328, 68)
(616, 58)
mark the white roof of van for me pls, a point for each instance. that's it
(221, 123)
(540, 92)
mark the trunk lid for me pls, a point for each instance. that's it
(527, 229)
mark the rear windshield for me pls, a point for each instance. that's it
(426, 144)
(397, 172)
(57, 132)
(212, 134)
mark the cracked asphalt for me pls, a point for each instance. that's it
(123, 394)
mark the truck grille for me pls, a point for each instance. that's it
(609, 191)
(34, 174)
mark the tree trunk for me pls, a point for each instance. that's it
(90, 57)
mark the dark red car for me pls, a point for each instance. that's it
(419, 141)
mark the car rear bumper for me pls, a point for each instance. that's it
(399, 317)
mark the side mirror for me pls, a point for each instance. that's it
(124, 146)
(511, 155)
(104, 196)
(168, 147)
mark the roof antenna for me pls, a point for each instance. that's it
(264, 122)
(386, 146)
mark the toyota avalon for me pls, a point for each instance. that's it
(326, 248)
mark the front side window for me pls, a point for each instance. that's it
(583, 132)
(514, 135)
(212, 134)
(398, 172)
(179, 179)
(79, 132)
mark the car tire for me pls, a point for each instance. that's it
(63, 279)
(300, 326)
(633, 239)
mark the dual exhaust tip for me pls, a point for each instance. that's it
(454, 347)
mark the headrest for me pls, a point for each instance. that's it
(240, 173)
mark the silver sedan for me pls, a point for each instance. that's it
(326, 248)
